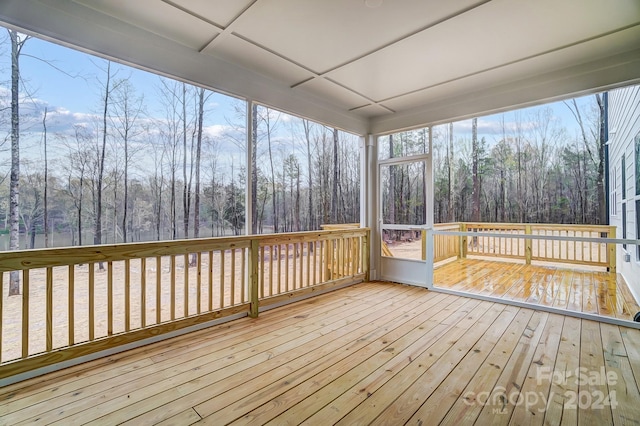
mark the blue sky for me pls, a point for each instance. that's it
(76, 87)
(68, 83)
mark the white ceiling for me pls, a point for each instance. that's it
(366, 69)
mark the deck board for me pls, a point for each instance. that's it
(593, 292)
(373, 353)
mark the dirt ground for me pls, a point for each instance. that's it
(407, 250)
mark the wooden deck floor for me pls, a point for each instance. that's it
(373, 353)
(594, 292)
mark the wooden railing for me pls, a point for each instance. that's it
(81, 300)
(444, 246)
(539, 249)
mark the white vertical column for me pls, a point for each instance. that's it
(249, 184)
(364, 181)
(429, 201)
(371, 206)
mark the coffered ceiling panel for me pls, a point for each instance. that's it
(159, 18)
(476, 42)
(325, 34)
(236, 50)
(597, 48)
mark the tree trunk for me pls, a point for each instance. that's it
(158, 212)
(185, 195)
(502, 204)
(284, 198)
(196, 202)
(46, 181)
(602, 212)
(297, 209)
(114, 226)
(475, 211)
(125, 201)
(97, 238)
(274, 196)
(334, 192)
(172, 202)
(451, 197)
(14, 184)
(310, 220)
(80, 208)
(254, 168)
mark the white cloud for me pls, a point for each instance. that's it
(217, 130)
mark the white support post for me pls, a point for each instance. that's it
(429, 201)
(429, 256)
(248, 211)
(364, 182)
(371, 206)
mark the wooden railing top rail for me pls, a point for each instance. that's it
(53, 257)
(578, 227)
(447, 226)
(550, 242)
(331, 226)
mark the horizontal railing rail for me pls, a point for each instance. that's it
(560, 243)
(81, 300)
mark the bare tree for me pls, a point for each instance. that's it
(77, 166)
(602, 212)
(171, 135)
(127, 108)
(270, 128)
(32, 209)
(107, 93)
(196, 203)
(450, 194)
(254, 167)
(334, 191)
(46, 180)
(475, 214)
(597, 136)
(310, 220)
(17, 43)
(186, 187)
(157, 185)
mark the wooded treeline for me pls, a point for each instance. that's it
(534, 171)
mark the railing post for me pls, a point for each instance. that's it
(366, 252)
(463, 242)
(429, 238)
(253, 279)
(328, 260)
(611, 250)
(424, 244)
(527, 245)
